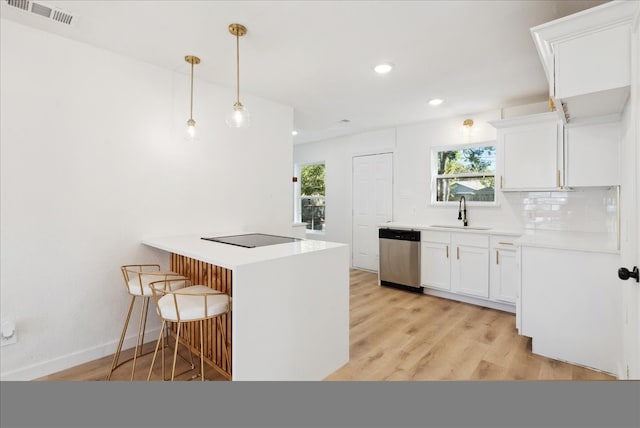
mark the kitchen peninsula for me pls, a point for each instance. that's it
(290, 303)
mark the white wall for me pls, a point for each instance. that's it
(92, 160)
(586, 210)
(411, 146)
(412, 181)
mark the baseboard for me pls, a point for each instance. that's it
(505, 307)
(45, 368)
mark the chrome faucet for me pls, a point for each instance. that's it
(462, 213)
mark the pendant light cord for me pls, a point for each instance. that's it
(191, 107)
(238, 67)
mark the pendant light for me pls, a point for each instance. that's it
(239, 116)
(191, 124)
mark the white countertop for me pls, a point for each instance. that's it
(451, 228)
(579, 241)
(231, 256)
(563, 240)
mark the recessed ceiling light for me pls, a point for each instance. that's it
(383, 68)
(435, 101)
(294, 132)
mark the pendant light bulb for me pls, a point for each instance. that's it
(191, 124)
(191, 128)
(238, 117)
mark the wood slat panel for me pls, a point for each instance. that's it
(220, 279)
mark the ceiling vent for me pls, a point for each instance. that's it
(43, 10)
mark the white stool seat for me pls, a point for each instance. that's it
(193, 303)
(188, 304)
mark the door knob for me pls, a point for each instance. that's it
(624, 274)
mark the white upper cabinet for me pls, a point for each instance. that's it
(539, 152)
(592, 154)
(586, 57)
(530, 152)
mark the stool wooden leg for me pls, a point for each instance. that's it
(155, 353)
(201, 350)
(175, 352)
(116, 357)
(141, 329)
(224, 341)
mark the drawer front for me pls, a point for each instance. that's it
(471, 239)
(503, 241)
(434, 236)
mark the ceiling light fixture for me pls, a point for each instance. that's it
(294, 132)
(435, 101)
(191, 124)
(383, 68)
(239, 116)
(467, 129)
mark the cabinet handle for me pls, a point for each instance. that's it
(505, 243)
(447, 251)
(558, 180)
(497, 259)
(501, 182)
(458, 253)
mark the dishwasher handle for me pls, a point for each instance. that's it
(400, 234)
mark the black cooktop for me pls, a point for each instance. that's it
(252, 240)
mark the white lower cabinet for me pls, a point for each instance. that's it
(505, 270)
(470, 267)
(434, 263)
(571, 306)
(459, 264)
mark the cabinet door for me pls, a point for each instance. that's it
(592, 154)
(571, 306)
(435, 269)
(532, 156)
(470, 264)
(593, 62)
(504, 275)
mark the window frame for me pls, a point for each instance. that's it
(434, 176)
(297, 203)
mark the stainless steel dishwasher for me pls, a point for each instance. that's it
(400, 258)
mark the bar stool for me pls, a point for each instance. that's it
(188, 304)
(136, 280)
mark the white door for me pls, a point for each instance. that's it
(630, 227)
(372, 204)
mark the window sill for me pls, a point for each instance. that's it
(315, 232)
(469, 204)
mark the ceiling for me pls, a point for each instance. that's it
(318, 56)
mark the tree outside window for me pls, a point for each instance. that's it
(468, 172)
(312, 196)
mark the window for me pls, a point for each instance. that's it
(467, 171)
(311, 204)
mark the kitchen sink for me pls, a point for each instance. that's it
(460, 227)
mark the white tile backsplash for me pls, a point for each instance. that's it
(583, 210)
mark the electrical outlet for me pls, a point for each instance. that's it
(8, 334)
(9, 340)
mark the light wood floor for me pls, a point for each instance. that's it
(398, 335)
